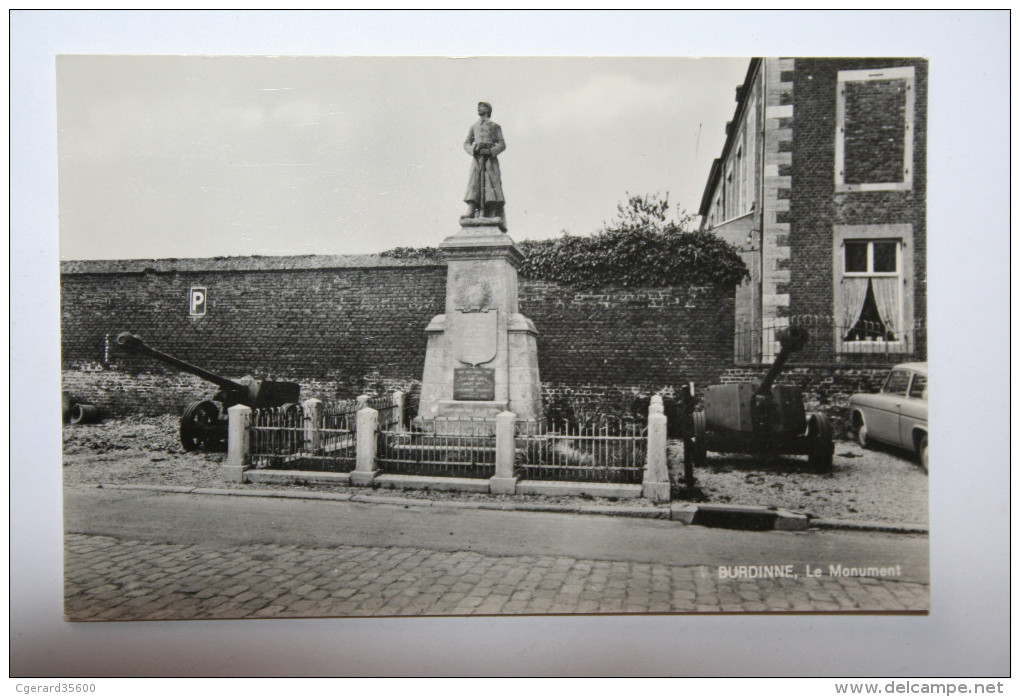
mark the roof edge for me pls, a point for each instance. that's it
(713, 175)
(239, 263)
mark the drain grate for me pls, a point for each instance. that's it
(736, 520)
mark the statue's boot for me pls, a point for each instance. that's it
(495, 210)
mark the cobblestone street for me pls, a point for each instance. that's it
(111, 579)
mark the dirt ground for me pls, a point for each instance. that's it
(135, 450)
(879, 485)
(866, 485)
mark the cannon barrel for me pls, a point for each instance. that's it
(791, 339)
(135, 343)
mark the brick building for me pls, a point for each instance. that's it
(821, 184)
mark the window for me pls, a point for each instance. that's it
(896, 383)
(875, 130)
(729, 195)
(751, 125)
(919, 387)
(742, 185)
(871, 290)
(872, 278)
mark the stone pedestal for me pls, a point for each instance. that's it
(655, 484)
(504, 481)
(481, 358)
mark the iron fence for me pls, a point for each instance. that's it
(442, 447)
(388, 408)
(276, 435)
(603, 450)
(598, 449)
(286, 438)
(833, 341)
(338, 432)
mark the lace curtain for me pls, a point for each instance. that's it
(855, 290)
(887, 298)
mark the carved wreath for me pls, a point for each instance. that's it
(475, 297)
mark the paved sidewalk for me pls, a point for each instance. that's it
(112, 579)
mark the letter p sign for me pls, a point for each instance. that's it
(198, 301)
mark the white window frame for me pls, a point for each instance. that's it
(750, 156)
(844, 76)
(903, 234)
(729, 195)
(742, 178)
(871, 259)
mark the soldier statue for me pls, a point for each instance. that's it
(484, 194)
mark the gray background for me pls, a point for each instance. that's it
(968, 233)
(241, 155)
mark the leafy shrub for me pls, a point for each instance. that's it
(416, 253)
(638, 257)
(642, 247)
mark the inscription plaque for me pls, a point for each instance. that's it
(474, 336)
(474, 384)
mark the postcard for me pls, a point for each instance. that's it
(349, 337)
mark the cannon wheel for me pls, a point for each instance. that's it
(860, 431)
(695, 452)
(820, 443)
(200, 427)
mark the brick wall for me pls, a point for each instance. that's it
(647, 338)
(343, 330)
(309, 323)
(815, 206)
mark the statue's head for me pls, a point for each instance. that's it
(484, 109)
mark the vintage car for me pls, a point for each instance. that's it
(898, 415)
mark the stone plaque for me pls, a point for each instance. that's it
(474, 384)
(474, 336)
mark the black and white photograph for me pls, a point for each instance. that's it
(391, 406)
(437, 336)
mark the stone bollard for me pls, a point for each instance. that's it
(239, 420)
(398, 400)
(367, 444)
(361, 401)
(655, 485)
(313, 425)
(504, 481)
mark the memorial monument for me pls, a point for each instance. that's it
(481, 358)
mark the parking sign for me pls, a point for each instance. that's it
(198, 301)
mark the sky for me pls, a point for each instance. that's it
(199, 156)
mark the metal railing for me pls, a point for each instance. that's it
(443, 447)
(831, 340)
(598, 451)
(503, 450)
(276, 435)
(338, 432)
(287, 438)
(388, 408)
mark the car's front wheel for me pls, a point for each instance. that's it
(861, 432)
(922, 452)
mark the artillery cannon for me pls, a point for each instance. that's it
(204, 423)
(759, 418)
